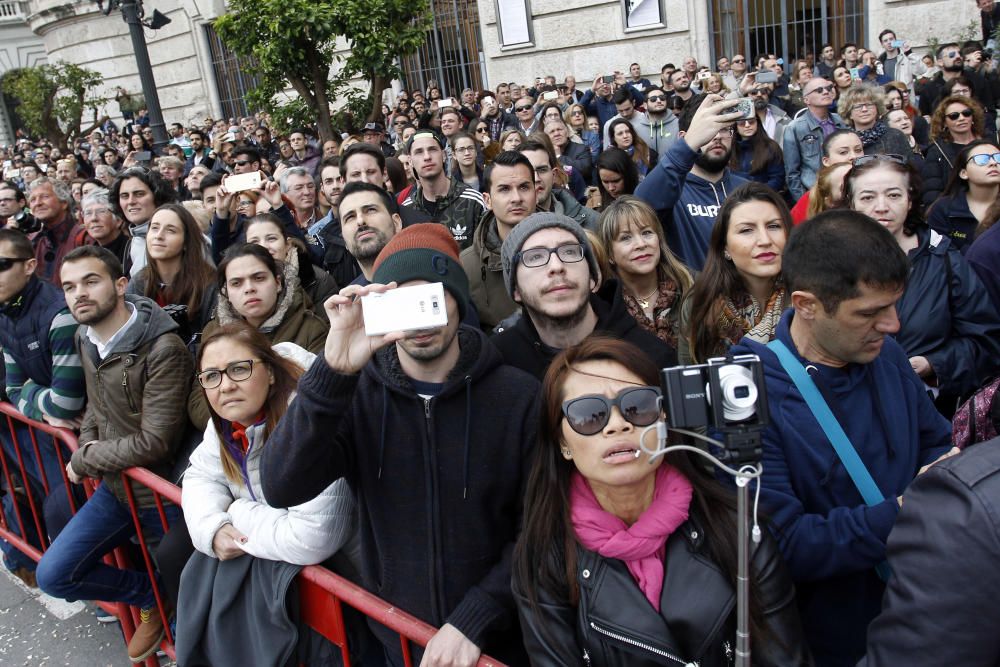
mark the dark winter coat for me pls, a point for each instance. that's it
(951, 217)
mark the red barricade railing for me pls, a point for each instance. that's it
(322, 593)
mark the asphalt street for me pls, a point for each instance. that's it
(40, 631)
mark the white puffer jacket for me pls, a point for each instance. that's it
(302, 535)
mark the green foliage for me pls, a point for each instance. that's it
(969, 33)
(53, 98)
(294, 45)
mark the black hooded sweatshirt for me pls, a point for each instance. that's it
(439, 482)
(521, 347)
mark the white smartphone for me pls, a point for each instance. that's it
(550, 95)
(405, 309)
(446, 102)
(241, 182)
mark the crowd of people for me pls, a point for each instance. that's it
(196, 309)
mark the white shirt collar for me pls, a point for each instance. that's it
(103, 347)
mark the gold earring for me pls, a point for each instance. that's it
(566, 454)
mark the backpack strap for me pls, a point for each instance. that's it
(834, 432)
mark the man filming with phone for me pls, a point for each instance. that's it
(433, 433)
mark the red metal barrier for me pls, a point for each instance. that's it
(322, 593)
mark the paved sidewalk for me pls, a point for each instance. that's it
(39, 631)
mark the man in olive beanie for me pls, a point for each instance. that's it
(425, 251)
(550, 269)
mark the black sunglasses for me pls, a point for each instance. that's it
(587, 415)
(656, 98)
(523, 108)
(241, 163)
(821, 89)
(7, 262)
(955, 114)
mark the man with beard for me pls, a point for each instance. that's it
(952, 65)
(369, 218)
(680, 83)
(138, 376)
(496, 119)
(771, 117)
(550, 269)
(437, 198)
(199, 151)
(511, 196)
(658, 128)
(690, 183)
(434, 435)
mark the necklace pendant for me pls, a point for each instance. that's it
(644, 303)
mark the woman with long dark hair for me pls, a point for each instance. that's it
(757, 157)
(739, 292)
(177, 272)
(616, 545)
(616, 176)
(971, 192)
(624, 137)
(948, 327)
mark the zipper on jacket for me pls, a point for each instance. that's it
(586, 658)
(128, 395)
(638, 644)
(427, 408)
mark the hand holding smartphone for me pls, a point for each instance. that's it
(405, 309)
(240, 182)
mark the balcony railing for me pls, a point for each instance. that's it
(11, 11)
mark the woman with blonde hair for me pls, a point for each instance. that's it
(862, 106)
(576, 120)
(828, 192)
(653, 280)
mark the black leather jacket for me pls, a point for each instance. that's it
(614, 624)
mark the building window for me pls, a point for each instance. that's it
(234, 75)
(789, 29)
(642, 14)
(452, 53)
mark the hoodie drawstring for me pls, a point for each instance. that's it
(468, 426)
(385, 421)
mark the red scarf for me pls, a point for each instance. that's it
(643, 544)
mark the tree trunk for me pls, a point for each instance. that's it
(379, 83)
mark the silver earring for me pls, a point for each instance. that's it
(725, 253)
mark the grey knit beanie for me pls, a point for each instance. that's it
(535, 222)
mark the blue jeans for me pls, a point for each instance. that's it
(72, 569)
(33, 469)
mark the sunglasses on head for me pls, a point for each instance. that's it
(888, 157)
(955, 114)
(984, 159)
(589, 414)
(7, 262)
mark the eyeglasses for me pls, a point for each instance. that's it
(864, 106)
(656, 98)
(237, 371)
(759, 93)
(822, 89)
(482, 130)
(747, 122)
(725, 132)
(92, 212)
(984, 159)
(955, 114)
(241, 163)
(466, 149)
(888, 157)
(244, 203)
(952, 54)
(535, 257)
(576, 112)
(738, 60)
(523, 108)
(7, 262)
(589, 414)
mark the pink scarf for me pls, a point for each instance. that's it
(641, 545)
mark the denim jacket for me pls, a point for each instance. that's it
(802, 145)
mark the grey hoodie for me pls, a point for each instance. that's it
(658, 134)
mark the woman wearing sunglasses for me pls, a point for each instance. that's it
(947, 324)
(957, 121)
(248, 386)
(757, 157)
(616, 546)
(739, 292)
(972, 190)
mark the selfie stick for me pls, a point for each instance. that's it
(742, 443)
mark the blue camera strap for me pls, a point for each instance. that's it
(855, 467)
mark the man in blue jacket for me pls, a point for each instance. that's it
(844, 273)
(692, 180)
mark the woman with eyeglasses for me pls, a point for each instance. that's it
(624, 137)
(616, 545)
(248, 385)
(757, 157)
(739, 292)
(653, 280)
(177, 272)
(254, 288)
(577, 121)
(862, 106)
(957, 121)
(947, 324)
(466, 162)
(971, 192)
(267, 230)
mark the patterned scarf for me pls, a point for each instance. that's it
(662, 325)
(744, 317)
(872, 134)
